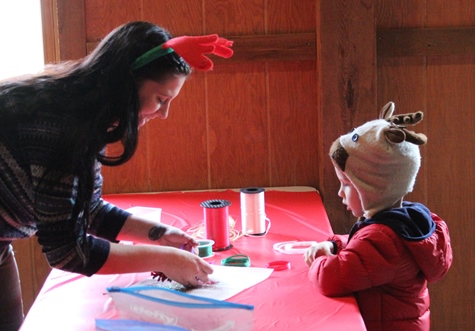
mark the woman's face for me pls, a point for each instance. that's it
(349, 194)
(155, 97)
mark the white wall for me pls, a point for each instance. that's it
(21, 38)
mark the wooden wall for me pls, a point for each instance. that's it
(436, 74)
(247, 123)
(267, 117)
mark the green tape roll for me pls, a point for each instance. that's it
(205, 248)
(238, 260)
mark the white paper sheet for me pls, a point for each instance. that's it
(225, 282)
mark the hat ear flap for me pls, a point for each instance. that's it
(395, 135)
(387, 110)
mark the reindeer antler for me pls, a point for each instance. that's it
(192, 49)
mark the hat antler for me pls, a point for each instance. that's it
(398, 131)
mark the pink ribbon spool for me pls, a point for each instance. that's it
(216, 219)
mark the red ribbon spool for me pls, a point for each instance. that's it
(216, 219)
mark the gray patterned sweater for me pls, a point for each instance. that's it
(23, 213)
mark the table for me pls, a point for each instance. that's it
(284, 301)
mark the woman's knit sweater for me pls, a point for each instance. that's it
(24, 155)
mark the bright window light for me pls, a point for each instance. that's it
(21, 38)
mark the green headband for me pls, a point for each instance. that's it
(151, 55)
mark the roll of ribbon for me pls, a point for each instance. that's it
(216, 220)
(205, 248)
(278, 265)
(253, 215)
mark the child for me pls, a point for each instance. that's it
(396, 247)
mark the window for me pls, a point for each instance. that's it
(21, 38)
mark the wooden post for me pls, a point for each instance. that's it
(346, 49)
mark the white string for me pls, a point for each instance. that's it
(293, 247)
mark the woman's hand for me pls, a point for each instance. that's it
(168, 250)
(316, 250)
(176, 264)
(186, 268)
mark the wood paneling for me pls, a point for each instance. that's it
(426, 62)
(71, 29)
(50, 31)
(32, 267)
(451, 185)
(236, 17)
(102, 16)
(239, 155)
(291, 121)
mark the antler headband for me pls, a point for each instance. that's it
(191, 49)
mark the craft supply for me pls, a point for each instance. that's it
(278, 265)
(197, 231)
(253, 215)
(161, 277)
(293, 247)
(238, 260)
(216, 219)
(205, 248)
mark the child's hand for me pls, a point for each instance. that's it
(316, 250)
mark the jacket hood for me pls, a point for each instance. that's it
(423, 233)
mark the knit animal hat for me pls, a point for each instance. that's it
(381, 158)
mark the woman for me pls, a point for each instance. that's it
(54, 128)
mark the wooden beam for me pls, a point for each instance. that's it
(422, 42)
(278, 47)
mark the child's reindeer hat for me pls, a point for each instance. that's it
(381, 158)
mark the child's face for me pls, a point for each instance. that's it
(349, 194)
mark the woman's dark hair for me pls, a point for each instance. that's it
(98, 97)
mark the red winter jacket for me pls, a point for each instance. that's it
(387, 271)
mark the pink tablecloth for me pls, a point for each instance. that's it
(285, 301)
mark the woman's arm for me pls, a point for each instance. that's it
(179, 265)
(146, 231)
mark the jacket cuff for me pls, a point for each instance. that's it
(337, 244)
